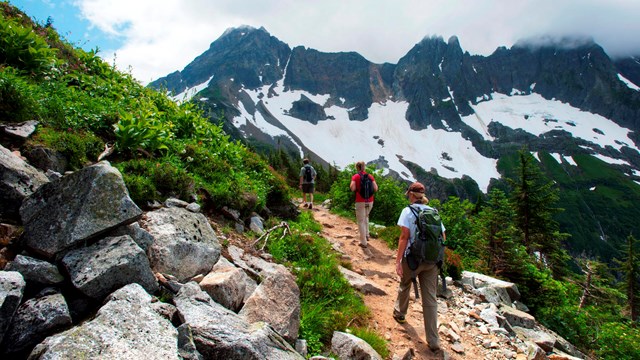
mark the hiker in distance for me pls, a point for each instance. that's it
(425, 271)
(307, 183)
(364, 186)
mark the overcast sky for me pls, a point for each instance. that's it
(153, 38)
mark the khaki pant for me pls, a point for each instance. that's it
(427, 275)
(362, 215)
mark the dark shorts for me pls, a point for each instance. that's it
(307, 188)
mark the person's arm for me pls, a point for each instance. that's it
(352, 186)
(300, 186)
(375, 185)
(402, 245)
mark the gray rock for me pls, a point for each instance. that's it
(184, 243)
(35, 320)
(540, 338)
(347, 347)
(226, 286)
(477, 280)
(36, 270)
(535, 352)
(276, 301)
(47, 159)
(12, 286)
(21, 130)
(493, 295)
(186, 347)
(361, 283)
(109, 264)
(77, 207)
(173, 202)
(194, 207)
(519, 318)
(237, 256)
(17, 181)
(138, 234)
(256, 225)
(165, 310)
(126, 327)
(219, 333)
(301, 347)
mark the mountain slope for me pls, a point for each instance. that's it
(437, 115)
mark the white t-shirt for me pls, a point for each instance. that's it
(408, 220)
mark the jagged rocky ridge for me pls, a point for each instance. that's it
(83, 269)
(246, 71)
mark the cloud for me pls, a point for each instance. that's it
(163, 36)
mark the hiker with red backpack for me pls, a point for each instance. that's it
(364, 185)
(307, 183)
(420, 255)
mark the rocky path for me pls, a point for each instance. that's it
(377, 264)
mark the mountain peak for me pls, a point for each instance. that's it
(242, 30)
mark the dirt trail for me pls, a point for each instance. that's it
(377, 264)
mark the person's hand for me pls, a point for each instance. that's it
(399, 269)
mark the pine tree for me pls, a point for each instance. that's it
(534, 198)
(499, 239)
(630, 268)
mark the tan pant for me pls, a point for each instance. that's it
(427, 275)
(362, 215)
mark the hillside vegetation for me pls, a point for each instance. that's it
(84, 105)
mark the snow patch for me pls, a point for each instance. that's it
(189, 93)
(628, 82)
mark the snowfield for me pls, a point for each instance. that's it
(386, 134)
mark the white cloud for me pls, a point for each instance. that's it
(162, 36)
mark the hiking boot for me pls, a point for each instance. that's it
(306, 206)
(364, 246)
(310, 206)
(399, 318)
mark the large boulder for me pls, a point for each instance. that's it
(107, 265)
(35, 320)
(276, 301)
(502, 291)
(17, 181)
(126, 327)
(75, 208)
(184, 245)
(11, 290)
(219, 333)
(226, 284)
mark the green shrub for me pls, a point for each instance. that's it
(618, 341)
(149, 180)
(17, 98)
(23, 49)
(79, 147)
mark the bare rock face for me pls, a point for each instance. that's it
(111, 263)
(17, 181)
(75, 208)
(219, 333)
(226, 285)
(126, 327)
(184, 245)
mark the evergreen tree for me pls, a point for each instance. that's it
(630, 268)
(498, 238)
(534, 198)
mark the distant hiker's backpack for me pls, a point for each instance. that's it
(428, 245)
(366, 186)
(308, 176)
